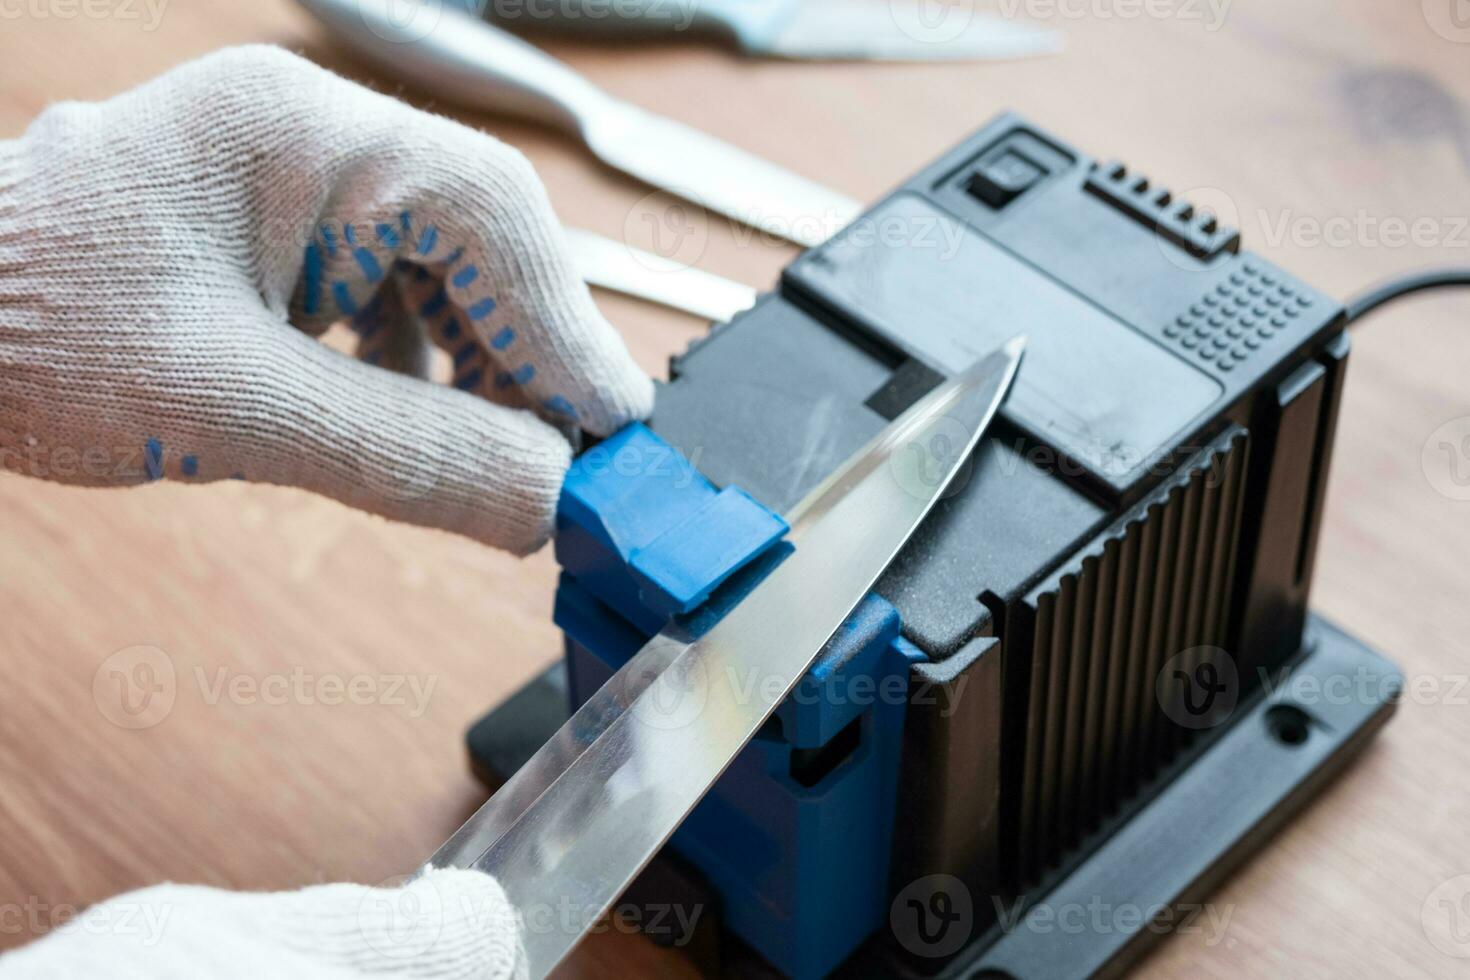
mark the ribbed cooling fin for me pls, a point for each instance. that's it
(1154, 585)
(1029, 827)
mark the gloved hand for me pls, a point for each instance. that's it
(168, 256)
(444, 924)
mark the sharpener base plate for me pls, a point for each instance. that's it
(1262, 766)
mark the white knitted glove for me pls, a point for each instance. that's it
(168, 256)
(445, 924)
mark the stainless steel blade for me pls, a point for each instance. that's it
(457, 55)
(841, 30)
(697, 167)
(898, 30)
(622, 268)
(575, 825)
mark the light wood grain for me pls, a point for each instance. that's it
(1304, 112)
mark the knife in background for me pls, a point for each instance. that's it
(573, 827)
(612, 265)
(461, 57)
(825, 30)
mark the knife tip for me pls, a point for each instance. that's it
(1015, 346)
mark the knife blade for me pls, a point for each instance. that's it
(454, 54)
(571, 829)
(715, 175)
(622, 268)
(827, 30)
(897, 30)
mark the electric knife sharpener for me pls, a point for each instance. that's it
(1087, 682)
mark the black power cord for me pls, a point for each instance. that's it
(1373, 298)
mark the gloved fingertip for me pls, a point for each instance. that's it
(484, 925)
(443, 923)
(627, 399)
(464, 882)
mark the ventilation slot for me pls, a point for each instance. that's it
(1154, 585)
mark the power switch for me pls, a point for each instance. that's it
(1004, 175)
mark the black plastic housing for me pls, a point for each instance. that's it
(1140, 521)
(1153, 488)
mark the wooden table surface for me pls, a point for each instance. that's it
(1329, 124)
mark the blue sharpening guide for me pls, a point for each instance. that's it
(795, 836)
